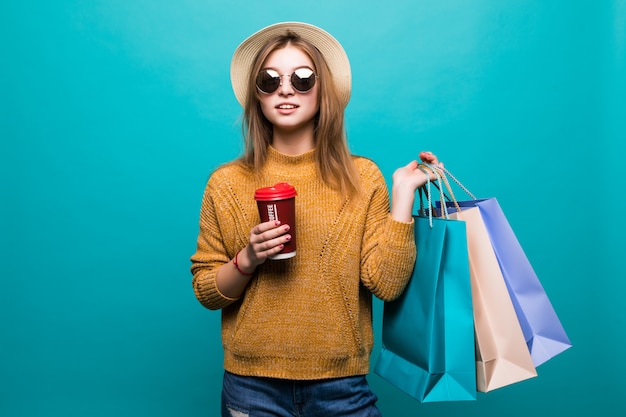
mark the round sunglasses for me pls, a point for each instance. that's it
(302, 80)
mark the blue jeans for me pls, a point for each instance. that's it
(244, 396)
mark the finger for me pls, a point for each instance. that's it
(425, 156)
(271, 247)
(428, 157)
(277, 244)
(264, 240)
(265, 226)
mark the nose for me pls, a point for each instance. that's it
(285, 88)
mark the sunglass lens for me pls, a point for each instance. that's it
(268, 81)
(303, 79)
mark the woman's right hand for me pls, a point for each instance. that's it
(266, 239)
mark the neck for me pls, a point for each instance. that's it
(293, 142)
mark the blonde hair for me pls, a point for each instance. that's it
(333, 159)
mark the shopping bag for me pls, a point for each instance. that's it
(543, 331)
(502, 357)
(428, 332)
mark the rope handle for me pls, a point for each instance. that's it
(446, 172)
(441, 171)
(442, 175)
(426, 189)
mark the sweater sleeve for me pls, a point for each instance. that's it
(210, 255)
(388, 250)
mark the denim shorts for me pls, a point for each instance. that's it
(244, 396)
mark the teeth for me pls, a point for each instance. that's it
(286, 106)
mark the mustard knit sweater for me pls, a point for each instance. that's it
(310, 316)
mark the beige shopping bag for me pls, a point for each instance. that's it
(502, 356)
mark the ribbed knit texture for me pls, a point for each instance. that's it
(308, 317)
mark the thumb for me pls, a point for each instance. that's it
(412, 165)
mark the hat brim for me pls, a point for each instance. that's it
(332, 51)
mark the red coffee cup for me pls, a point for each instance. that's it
(279, 203)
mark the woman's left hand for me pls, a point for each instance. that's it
(406, 180)
(409, 177)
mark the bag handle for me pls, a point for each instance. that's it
(423, 194)
(446, 172)
(443, 173)
(426, 189)
(440, 172)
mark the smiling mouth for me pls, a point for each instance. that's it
(287, 106)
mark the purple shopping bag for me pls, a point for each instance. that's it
(540, 324)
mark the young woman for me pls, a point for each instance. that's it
(297, 333)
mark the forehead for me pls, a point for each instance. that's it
(288, 58)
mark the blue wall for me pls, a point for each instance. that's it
(114, 112)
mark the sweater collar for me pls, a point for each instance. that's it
(296, 165)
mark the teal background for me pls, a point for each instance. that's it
(113, 114)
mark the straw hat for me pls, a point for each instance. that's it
(329, 47)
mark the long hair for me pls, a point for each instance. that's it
(333, 159)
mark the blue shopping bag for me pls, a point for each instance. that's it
(428, 332)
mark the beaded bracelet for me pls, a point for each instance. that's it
(236, 263)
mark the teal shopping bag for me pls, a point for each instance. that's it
(428, 332)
